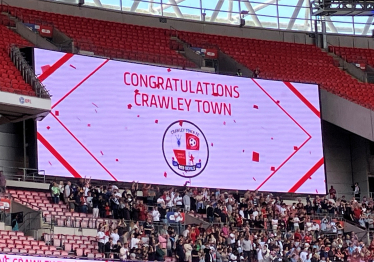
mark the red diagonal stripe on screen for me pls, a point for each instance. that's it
(302, 98)
(284, 162)
(306, 176)
(57, 155)
(79, 142)
(298, 149)
(81, 82)
(55, 66)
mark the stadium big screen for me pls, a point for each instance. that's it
(113, 120)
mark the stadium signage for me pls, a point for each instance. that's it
(15, 258)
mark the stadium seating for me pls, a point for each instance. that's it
(289, 62)
(276, 60)
(114, 40)
(17, 242)
(360, 56)
(79, 245)
(10, 78)
(58, 213)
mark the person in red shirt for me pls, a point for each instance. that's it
(332, 193)
(357, 212)
(193, 234)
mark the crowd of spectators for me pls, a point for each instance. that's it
(251, 226)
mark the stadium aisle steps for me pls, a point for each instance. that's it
(10, 77)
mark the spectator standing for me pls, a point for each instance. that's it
(187, 202)
(67, 191)
(256, 73)
(332, 193)
(55, 191)
(357, 191)
(101, 240)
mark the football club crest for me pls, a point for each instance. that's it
(185, 149)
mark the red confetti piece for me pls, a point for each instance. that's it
(169, 70)
(254, 178)
(272, 138)
(48, 127)
(180, 122)
(88, 125)
(165, 174)
(117, 159)
(255, 106)
(57, 113)
(50, 162)
(102, 153)
(136, 91)
(278, 101)
(73, 66)
(255, 156)
(234, 121)
(95, 105)
(215, 94)
(211, 144)
(129, 106)
(95, 110)
(272, 168)
(156, 121)
(224, 123)
(243, 150)
(138, 115)
(45, 68)
(295, 148)
(316, 191)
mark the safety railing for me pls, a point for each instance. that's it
(140, 56)
(24, 174)
(27, 72)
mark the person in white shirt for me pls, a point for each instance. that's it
(114, 236)
(101, 240)
(124, 251)
(156, 215)
(135, 241)
(160, 201)
(296, 221)
(186, 232)
(178, 200)
(67, 191)
(304, 255)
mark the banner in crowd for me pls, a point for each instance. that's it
(113, 120)
(5, 204)
(206, 52)
(172, 219)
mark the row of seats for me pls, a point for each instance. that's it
(354, 55)
(11, 79)
(57, 213)
(53, 245)
(17, 242)
(79, 245)
(288, 62)
(276, 60)
(114, 40)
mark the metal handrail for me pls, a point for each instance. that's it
(27, 72)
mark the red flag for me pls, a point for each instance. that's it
(192, 142)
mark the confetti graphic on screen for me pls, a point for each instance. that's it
(109, 119)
